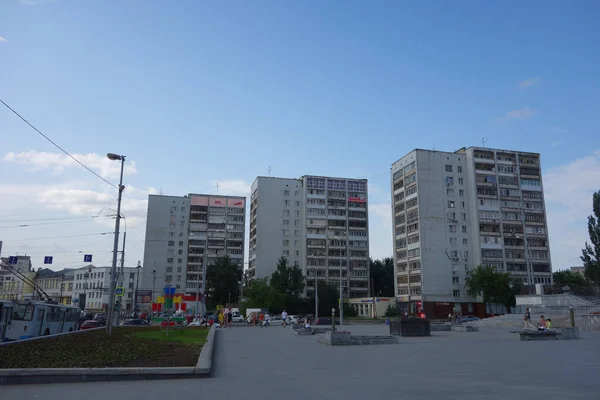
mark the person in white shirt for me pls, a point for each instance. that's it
(284, 316)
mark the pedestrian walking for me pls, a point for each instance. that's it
(284, 317)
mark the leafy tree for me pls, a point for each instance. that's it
(328, 299)
(223, 282)
(261, 295)
(392, 311)
(382, 274)
(569, 278)
(493, 286)
(349, 311)
(591, 253)
(287, 280)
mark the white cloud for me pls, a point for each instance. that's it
(520, 114)
(527, 83)
(3, 40)
(568, 193)
(57, 162)
(232, 187)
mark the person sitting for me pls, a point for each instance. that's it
(542, 324)
(549, 323)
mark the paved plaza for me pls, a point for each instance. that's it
(270, 363)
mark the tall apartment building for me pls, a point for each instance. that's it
(318, 223)
(182, 233)
(455, 211)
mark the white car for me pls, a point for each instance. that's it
(292, 319)
(274, 321)
(237, 318)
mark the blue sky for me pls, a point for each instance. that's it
(197, 92)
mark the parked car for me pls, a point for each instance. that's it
(237, 317)
(292, 319)
(467, 318)
(135, 322)
(101, 319)
(89, 324)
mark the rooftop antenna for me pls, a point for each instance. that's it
(217, 188)
(269, 171)
(161, 192)
(483, 140)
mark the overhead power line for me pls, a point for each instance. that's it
(60, 237)
(56, 145)
(46, 223)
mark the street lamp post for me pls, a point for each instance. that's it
(344, 235)
(204, 265)
(137, 284)
(198, 289)
(113, 274)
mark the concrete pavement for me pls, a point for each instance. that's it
(265, 363)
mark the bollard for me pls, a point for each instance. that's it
(572, 315)
(333, 319)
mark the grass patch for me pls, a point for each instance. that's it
(126, 347)
(189, 336)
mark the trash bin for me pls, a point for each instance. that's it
(411, 327)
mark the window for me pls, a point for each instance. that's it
(459, 169)
(456, 281)
(461, 181)
(180, 252)
(450, 204)
(286, 243)
(453, 241)
(170, 251)
(286, 212)
(464, 229)
(180, 261)
(171, 243)
(285, 253)
(463, 216)
(448, 168)
(297, 203)
(450, 192)
(451, 228)
(171, 234)
(286, 222)
(181, 242)
(170, 260)
(286, 202)
(286, 192)
(456, 293)
(465, 242)
(461, 192)
(296, 192)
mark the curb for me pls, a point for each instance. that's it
(203, 369)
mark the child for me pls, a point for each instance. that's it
(549, 323)
(542, 324)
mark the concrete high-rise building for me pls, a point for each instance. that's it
(184, 233)
(455, 211)
(319, 224)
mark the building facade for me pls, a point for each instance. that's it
(58, 285)
(91, 287)
(318, 223)
(12, 285)
(185, 233)
(455, 211)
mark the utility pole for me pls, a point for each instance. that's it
(122, 274)
(153, 284)
(137, 285)
(198, 289)
(113, 275)
(204, 265)
(316, 294)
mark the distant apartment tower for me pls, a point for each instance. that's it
(185, 233)
(318, 223)
(455, 211)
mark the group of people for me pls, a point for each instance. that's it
(544, 324)
(225, 318)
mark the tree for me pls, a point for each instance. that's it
(328, 298)
(591, 253)
(223, 282)
(493, 286)
(568, 278)
(382, 274)
(287, 280)
(261, 295)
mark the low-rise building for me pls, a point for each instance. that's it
(364, 306)
(91, 287)
(58, 285)
(15, 277)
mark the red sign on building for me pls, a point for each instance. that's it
(357, 200)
